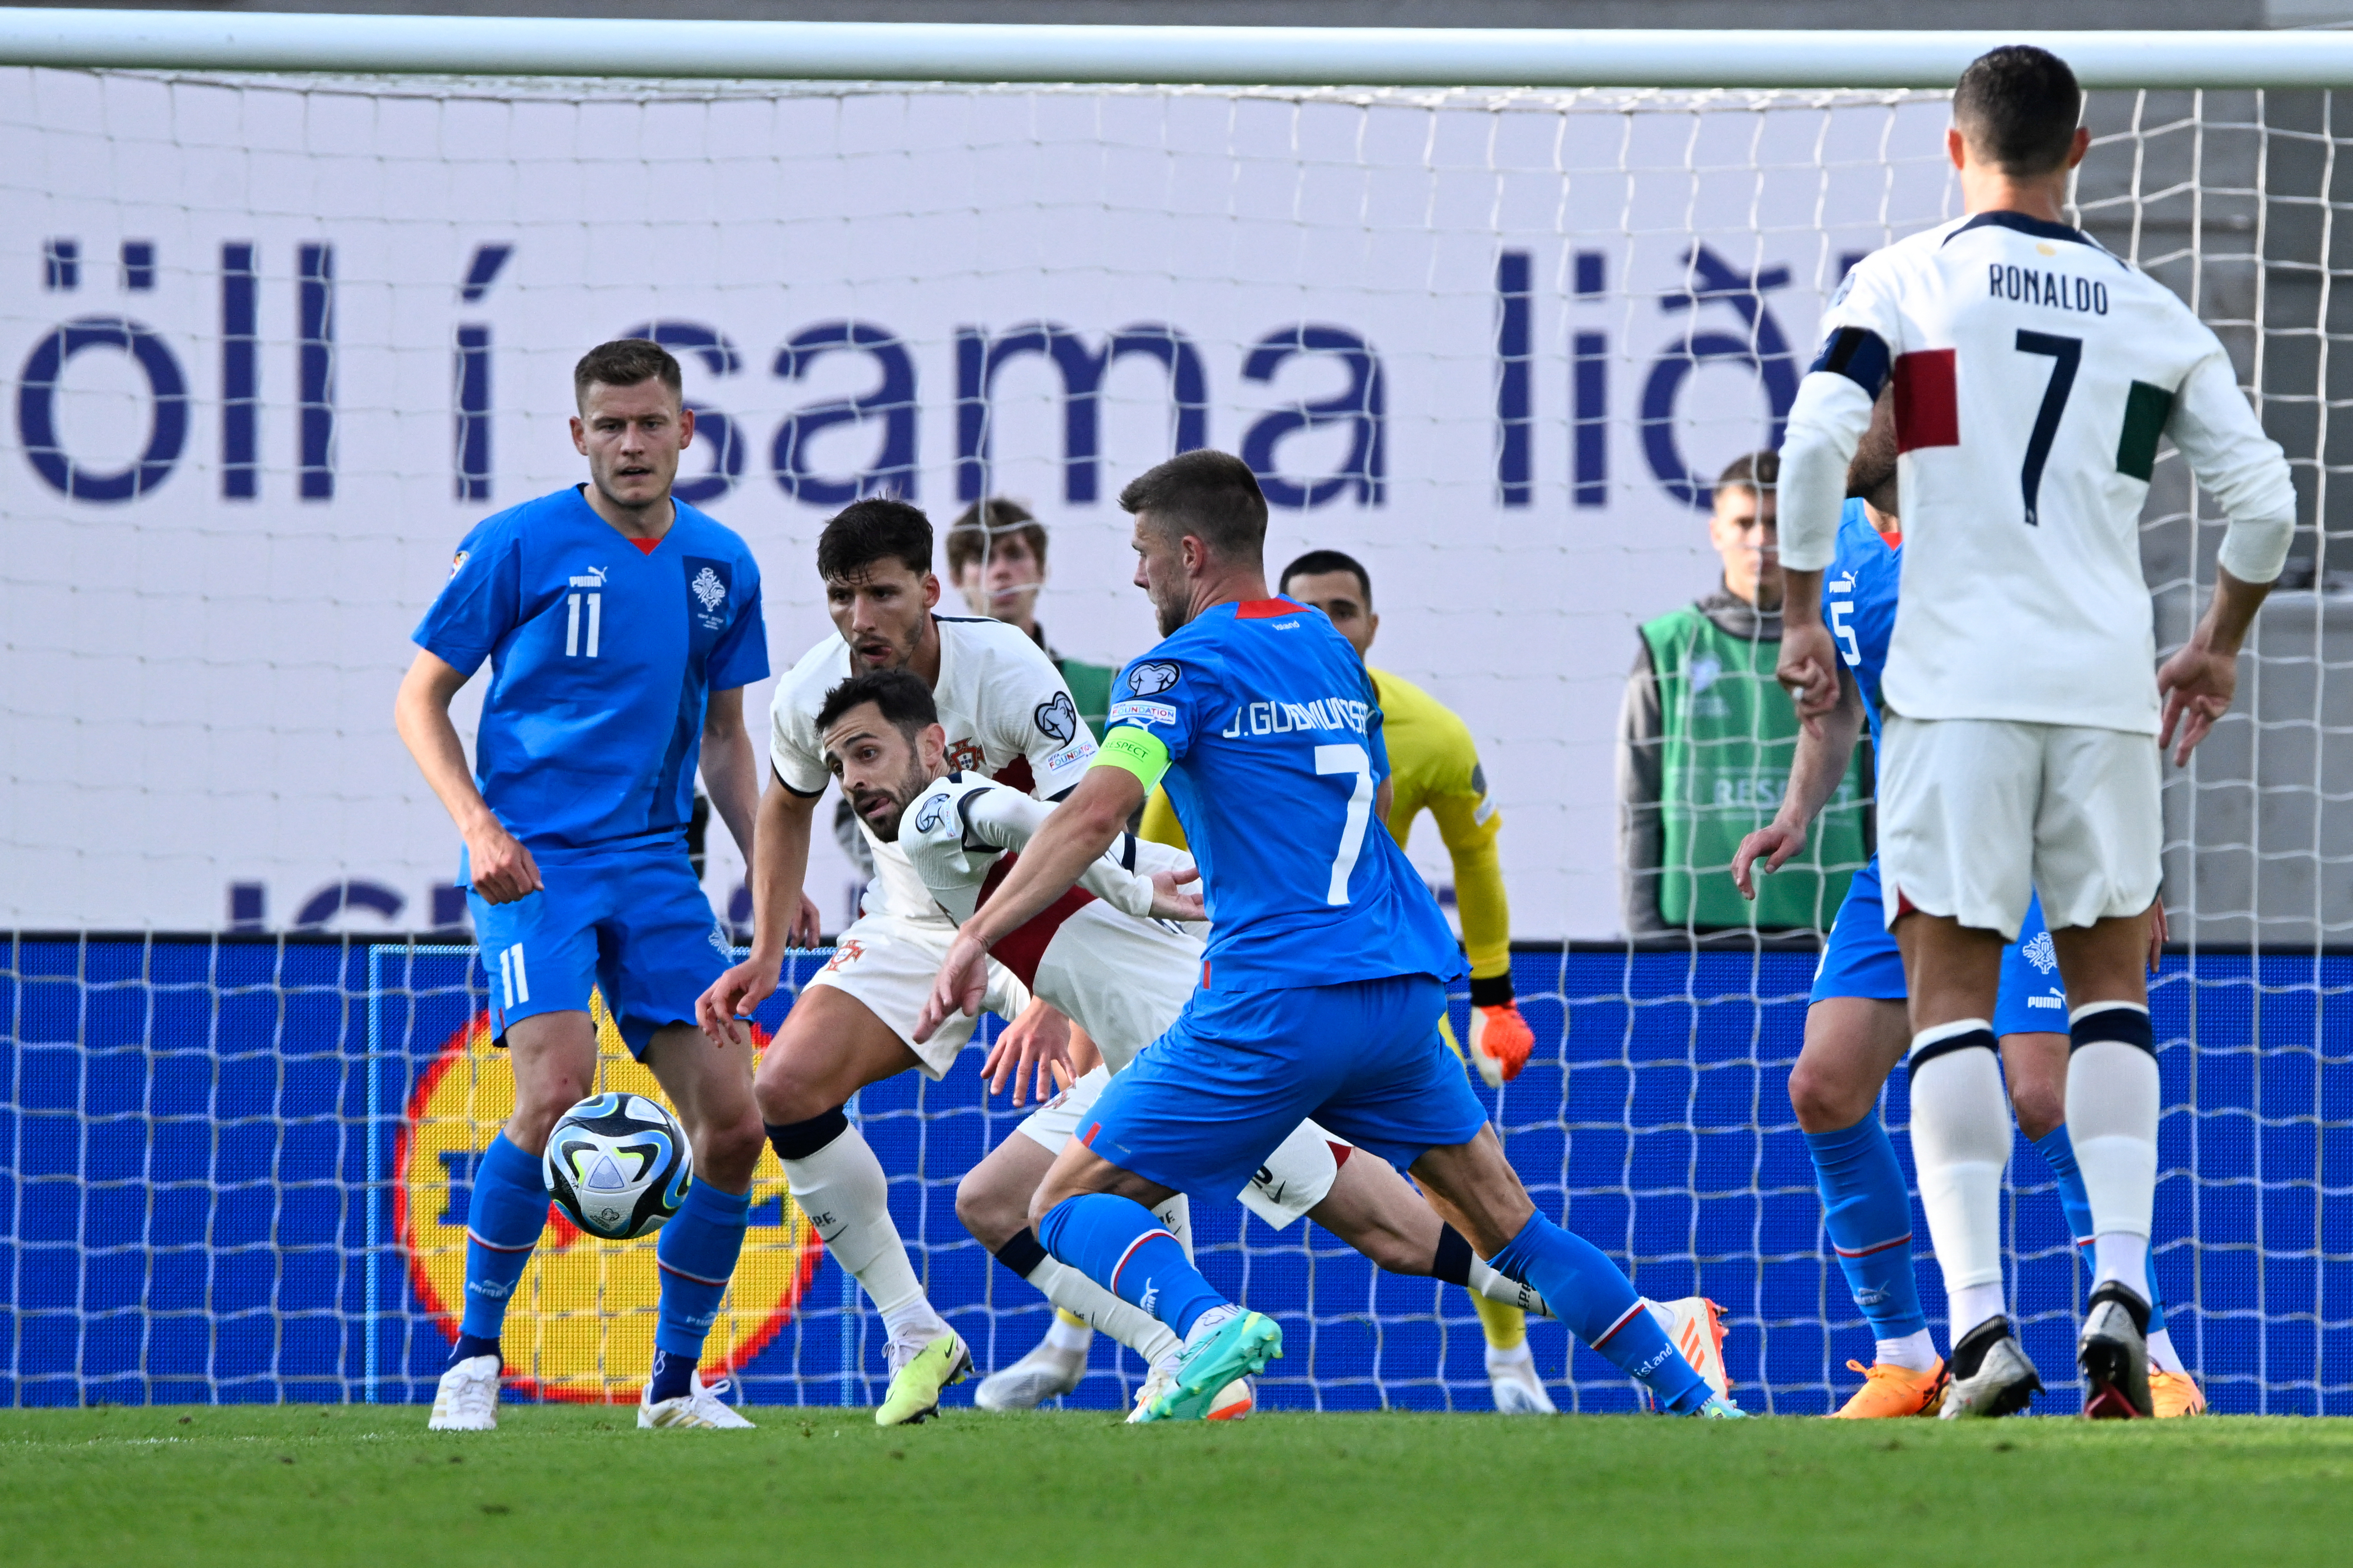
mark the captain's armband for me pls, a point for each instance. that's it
(1138, 752)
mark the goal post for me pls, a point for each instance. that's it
(293, 303)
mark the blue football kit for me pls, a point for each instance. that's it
(1321, 994)
(1866, 1209)
(1861, 958)
(604, 656)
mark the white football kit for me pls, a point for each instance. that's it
(1097, 956)
(1007, 715)
(2035, 373)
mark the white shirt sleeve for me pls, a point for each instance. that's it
(1044, 725)
(2242, 468)
(1120, 877)
(791, 751)
(1861, 332)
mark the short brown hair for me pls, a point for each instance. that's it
(876, 529)
(969, 541)
(1757, 473)
(2017, 108)
(624, 361)
(1211, 495)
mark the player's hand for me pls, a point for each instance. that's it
(1499, 1043)
(961, 985)
(1808, 669)
(1771, 843)
(734, 998)
(1034, 1046)
(804, 932)
(2197, 683)
(2158, 932)
(1169, 900)
(500, 868)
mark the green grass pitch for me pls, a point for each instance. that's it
(252, 1486)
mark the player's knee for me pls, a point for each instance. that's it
(2039, 1106)
(726, 1154)
(540, 1103)
(991, 1215)
(786, 1095)
(1822, 1102)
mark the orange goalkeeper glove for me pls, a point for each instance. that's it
(1500, 1040)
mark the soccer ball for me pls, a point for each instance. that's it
(618, 1165)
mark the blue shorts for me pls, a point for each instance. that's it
(634, 926)
(1861, 960)
(1205, 1104)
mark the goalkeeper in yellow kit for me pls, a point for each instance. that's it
(1435, 768)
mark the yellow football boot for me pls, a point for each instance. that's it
(1890, 1390)
(2174, 1394)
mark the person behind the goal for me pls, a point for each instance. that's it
(2034, 375)
(622, 626)
(1008, 715)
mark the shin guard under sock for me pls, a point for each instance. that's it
(1093, 1305)
(1867, 1212)
(504, 1219)
(1598, 1304)
(1121, 1246)
(696, 1255)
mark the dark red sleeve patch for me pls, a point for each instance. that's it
(1928, 411)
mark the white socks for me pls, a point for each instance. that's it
(1133, 1327)
(1912, 1352)
(1960, 1142)
(846, 1198)
(1518, 1355)
(2111, 1104)
(2161, 1353)
(1496, 1286)
(1069, 1337)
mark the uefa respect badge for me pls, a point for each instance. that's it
(581, 1325)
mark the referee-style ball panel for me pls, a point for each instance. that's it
(618, 1165)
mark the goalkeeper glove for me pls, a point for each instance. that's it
(1500, 1038)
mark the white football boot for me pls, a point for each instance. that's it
(1694, 1325)
(466, 1399)
(1518, 1390)
(1159, 1381)
(1991, 1376)
(1044, 1373)
(1234, 1401)
(701, 1406)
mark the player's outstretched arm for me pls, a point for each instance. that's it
(1132, 876)
(1815, 774)
(499, 868)
(1080, 829)
(781, 916)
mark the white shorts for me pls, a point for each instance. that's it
(1295, 1178)
(1977, 814)
(889, 962)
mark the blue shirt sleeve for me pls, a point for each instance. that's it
(480, 604)
(741, 654)
(1173, 696)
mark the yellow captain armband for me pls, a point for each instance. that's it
(1139, 751)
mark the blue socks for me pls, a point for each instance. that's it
(1867, 1209)
(503, 1225)
(1593, 1296)
(697, 1251)
(2057, 1151)
(1120, 1245)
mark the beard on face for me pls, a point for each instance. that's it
(909, 785)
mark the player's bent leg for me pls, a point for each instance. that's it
(1851, 1044)
(696, 1253)
(554, 1055)
(993, 1202)
(1474, 1188)
(1374, 1210)
(831, 1045)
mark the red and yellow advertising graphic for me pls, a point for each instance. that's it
(581, 1324)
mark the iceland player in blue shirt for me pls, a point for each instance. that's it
(621, 626)
(1327, 966)
(1856, 1028)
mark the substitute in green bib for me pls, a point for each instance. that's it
(1705, 741)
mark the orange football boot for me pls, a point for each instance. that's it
(1890, 1390)
(2174, 1394)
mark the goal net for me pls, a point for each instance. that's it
(277, 342)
